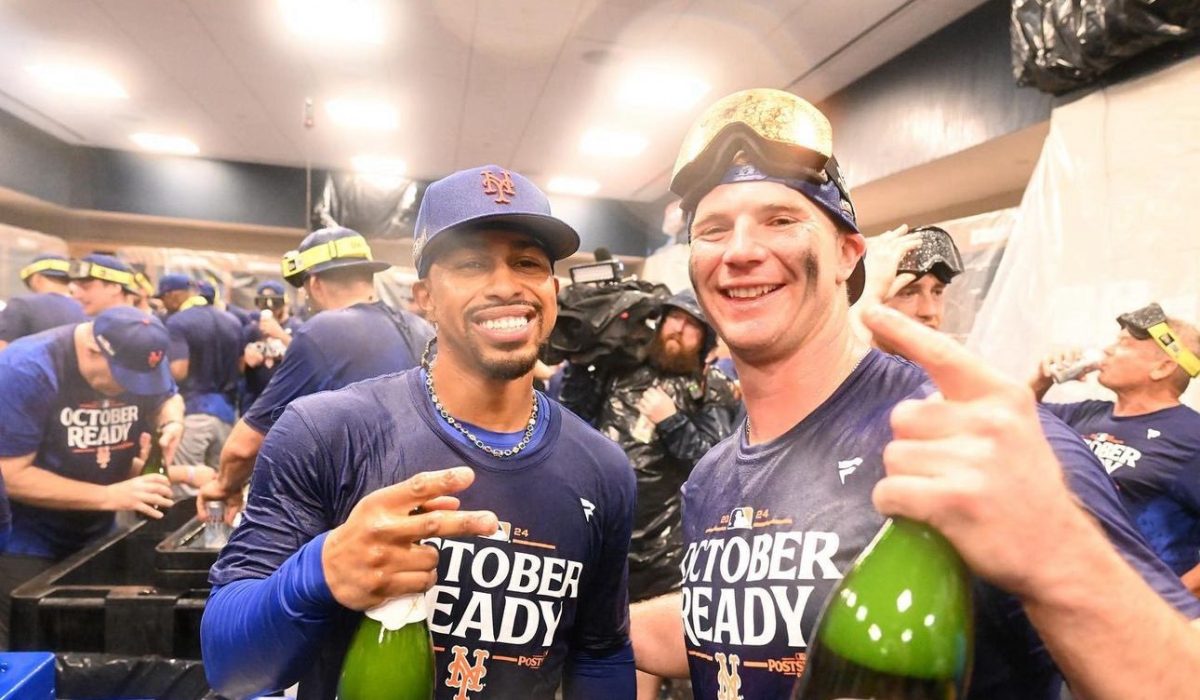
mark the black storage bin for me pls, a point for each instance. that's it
(111, 598)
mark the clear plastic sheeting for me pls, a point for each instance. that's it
(981, 239)
(1061, 45)
(1106, 225)
(18, 247)
(236, 276)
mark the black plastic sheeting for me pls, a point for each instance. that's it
(374, 208)
(109, 677)
(1062, 45)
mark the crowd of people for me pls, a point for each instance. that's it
(603, 536)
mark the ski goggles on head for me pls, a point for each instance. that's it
(937, 255)
(295, 262)
(83, 269)
(55, 268)
(269, 302)
(1151, 322)
(779, 133)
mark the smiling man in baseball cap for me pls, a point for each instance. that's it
(101, 282)
(78, 405)
(486, 243)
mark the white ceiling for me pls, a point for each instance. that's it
(513, 82)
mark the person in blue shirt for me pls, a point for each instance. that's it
(100, 282)
(49, 304)
(1147, 440)
(206, 345)
(527, 587)
(353, 337)
(78, 405)
(838, 435)
(267, 336)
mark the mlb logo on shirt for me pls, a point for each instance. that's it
(503, 533)
(741, 518)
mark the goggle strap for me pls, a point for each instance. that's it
(89, 269)
(295, 262)
(1168, 340)
(44, 266)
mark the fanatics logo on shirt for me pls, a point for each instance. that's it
(588, 509)
(1151, 433)
(846, 467)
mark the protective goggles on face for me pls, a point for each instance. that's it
(1151, 322)
(779, 133)
(82, 269)
(296, 263)
(61, 267)
(936, 255)
(269, 302)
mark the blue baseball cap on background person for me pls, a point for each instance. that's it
(173, 283)
(327, 249)
(135, 346)
(270, 286)
(206, 289)
(482, 197)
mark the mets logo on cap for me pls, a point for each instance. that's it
(499, 186)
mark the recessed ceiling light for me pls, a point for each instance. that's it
(164, 143)
(363, 114)
(662, 88)
(78, 80)
(613, 144)
(334, 20)
(579, 186)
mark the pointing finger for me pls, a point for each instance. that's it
(958, 373)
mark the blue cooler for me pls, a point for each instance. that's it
(26, 675)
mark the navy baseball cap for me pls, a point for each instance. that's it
(327, 249)
(482, 197)
(135, 346)
(55, 266)
(173, 283)
(270, 286)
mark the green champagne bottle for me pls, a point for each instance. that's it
(391, 654)
(899, 626)
(154, 460)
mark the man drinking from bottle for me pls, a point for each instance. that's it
(526, 586)
(773, 516)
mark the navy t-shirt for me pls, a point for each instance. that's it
(770, 528)
(257, 378)
(1155, 460)
(336, 348)
(211, 341)
(46, 408)
(552, 580)
(34, 313)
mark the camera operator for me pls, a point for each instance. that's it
(665, 413)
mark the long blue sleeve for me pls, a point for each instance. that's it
(259, 635)
(591, 675)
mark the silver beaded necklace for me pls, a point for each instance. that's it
(453, 422)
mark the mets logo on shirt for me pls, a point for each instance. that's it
(729, 681)
(465, 676)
